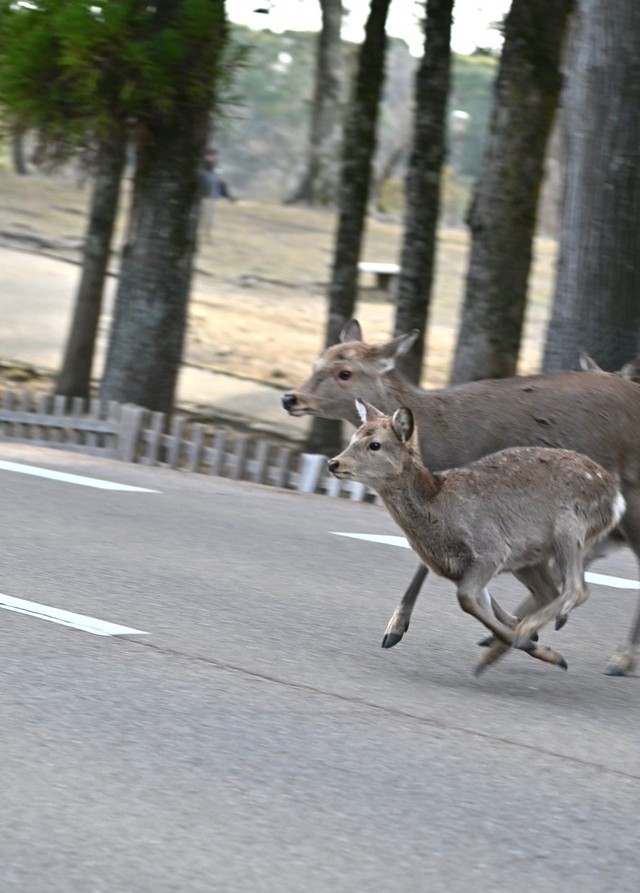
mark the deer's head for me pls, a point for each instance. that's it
(345, 371)
(380, 450)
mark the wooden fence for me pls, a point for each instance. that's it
(133, 434)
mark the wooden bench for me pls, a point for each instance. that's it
(386, 274)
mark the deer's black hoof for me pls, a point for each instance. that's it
(563, 664)
(560, 622)
(391, 639)
(487, 642)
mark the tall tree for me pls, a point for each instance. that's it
(61, 68)
(503, 211)
(355, 179)
(78, 70)
(74, 379)
(423, 182)
(147, 333)
(318, 183)
(596, 307)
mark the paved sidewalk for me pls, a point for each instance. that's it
(37, 293)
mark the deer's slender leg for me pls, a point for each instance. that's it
(623, 661)
(573, 591)
(469, 597)
(399, 623)
(542, 588)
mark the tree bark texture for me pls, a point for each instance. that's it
(319, 180)
(503, 210)
(147, 335)
(596, 307)
(150, 314)
(17, 153)
(423, 182)
(355, 179)
(74, 379)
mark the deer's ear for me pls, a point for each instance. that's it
(402, 424)
(405, 342)
(397, 347)
(351, 331)
(588, 364)
(631, 370)
(367, 412)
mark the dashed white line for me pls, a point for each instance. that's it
(598, 579)
(66, 478)
(68, 618)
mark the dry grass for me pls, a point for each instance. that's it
(259, 298)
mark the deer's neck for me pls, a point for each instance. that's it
(396, 392)
(411, 494)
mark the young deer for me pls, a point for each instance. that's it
(527, 510)
(598, 415)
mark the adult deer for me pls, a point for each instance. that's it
(528, 510)
(598, 415)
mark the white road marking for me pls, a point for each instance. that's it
(598, 579)
(68, 618)
(70, 478)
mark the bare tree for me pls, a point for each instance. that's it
(318, 183)
(423, 181)
(353, 195)
(503, 211)
(596, 306)
(74, 379)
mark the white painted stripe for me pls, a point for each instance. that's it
(614, 582)
(70, 478)
(377, 538)
(598, 579)
(68, 618)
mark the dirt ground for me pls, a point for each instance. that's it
(258, 308)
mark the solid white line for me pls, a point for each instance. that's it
(70, 478)
(68, 618)
(598, 579)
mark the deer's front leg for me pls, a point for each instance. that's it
(399, 623)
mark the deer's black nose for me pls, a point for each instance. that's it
(289, 401)
(333, 465)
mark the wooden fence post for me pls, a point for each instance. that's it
(131, 418)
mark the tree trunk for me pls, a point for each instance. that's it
(596, 307)
(75, 376)
(17, 152)
(503, 211)
(355, 179)
(423, 182)
(318, 183)
(147, 334)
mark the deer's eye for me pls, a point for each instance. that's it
(374, 445)
(344, 374)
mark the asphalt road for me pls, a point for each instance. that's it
(257, 738)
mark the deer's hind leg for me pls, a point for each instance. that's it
(569, 554)
(543, 590)
(471, 599)
(623, 661)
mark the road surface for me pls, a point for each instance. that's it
(247, 733)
